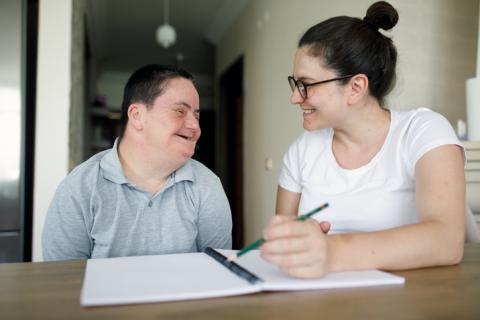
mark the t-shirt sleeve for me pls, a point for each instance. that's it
(215, 218)
(65, 235)
(290, 174)
(428, 130)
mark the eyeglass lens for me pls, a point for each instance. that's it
(299, 85)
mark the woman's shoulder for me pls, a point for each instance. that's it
(421, 130)
(421, 121)
(418, 116)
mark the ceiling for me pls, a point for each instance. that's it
(122, 32)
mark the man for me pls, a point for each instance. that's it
(145, 195)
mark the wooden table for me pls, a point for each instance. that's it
(52, 290)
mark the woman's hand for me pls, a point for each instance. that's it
(298, 248)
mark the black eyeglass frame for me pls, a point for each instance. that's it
(295, 84)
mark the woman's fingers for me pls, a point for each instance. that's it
(289, 228)
(294, 259)
(285, 245)
(304, 264)
(299, 248)
(306, 272)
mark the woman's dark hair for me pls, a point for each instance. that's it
(145, 85)
(350, 45)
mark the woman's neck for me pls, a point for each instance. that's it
(362, 137)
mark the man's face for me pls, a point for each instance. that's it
(171, 126)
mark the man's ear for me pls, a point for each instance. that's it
(135, 116)
(358, 88)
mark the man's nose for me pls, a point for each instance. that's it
(192, 122)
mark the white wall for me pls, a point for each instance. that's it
(53, 103)
(478, 46)
(437, 44)
(436, 41)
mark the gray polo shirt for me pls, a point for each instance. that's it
(97, 213)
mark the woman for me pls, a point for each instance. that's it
(394, 180)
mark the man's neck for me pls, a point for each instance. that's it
(142, 167)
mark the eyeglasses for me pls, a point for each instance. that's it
(302, 87)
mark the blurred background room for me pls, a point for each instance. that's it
(64, 63)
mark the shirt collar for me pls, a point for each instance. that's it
(111, 166)
(184, 173)
(113, 171)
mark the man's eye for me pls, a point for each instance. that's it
(180, 112)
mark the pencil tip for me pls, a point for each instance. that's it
(232, 258)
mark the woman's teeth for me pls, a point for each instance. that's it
(308, 111)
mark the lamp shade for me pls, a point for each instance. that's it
(166, 35)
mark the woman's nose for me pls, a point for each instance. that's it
(296, 98)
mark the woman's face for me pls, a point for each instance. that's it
(326, 103)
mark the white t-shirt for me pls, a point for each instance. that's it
(377, 196)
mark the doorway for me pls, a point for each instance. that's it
(230, 155)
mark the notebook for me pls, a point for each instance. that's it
(185, 276)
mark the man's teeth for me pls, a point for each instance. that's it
(308, 111)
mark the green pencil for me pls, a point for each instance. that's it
(261, 241)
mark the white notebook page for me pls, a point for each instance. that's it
(274, 279)
(196, 275)
(158, 278)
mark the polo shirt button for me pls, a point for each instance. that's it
(150, 203)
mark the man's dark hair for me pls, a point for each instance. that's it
(145, 85)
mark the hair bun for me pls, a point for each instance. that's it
(381, 15)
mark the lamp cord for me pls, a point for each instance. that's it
(166, 5)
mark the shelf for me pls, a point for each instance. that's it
(471, 145)
(105, 113)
